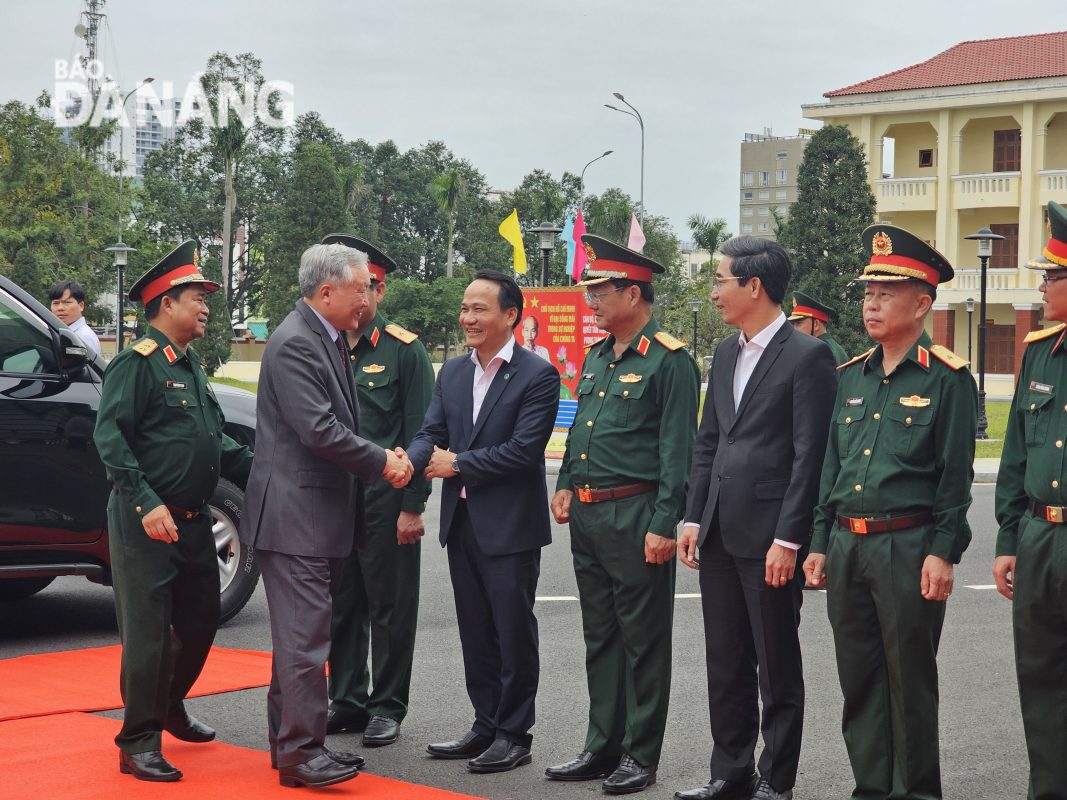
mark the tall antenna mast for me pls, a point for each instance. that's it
(93, 16)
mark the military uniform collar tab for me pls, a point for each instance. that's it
(643, 341)
(920, 352)
(165, 344)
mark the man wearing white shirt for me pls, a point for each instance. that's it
(484, 434)
(752, 489)
(68, 303)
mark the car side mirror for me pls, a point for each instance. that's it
(73, 355)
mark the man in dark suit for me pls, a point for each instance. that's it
(752, 488)
(485, 434)
(305, 502)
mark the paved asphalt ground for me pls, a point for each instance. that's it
(982, 747)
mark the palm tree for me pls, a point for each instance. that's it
(709, 234)
(447, 190)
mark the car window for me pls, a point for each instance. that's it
(25, 341)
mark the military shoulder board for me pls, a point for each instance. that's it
(668, 341)
(947, 357)
(406, 336)
(857, 359)
(1044, 333)
(145, 347)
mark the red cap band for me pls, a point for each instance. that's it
(931, 275)
(814, 313)
(161, 285)
(633, 272)
(1056, 251)
(376, 272)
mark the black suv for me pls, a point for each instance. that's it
(53, 487)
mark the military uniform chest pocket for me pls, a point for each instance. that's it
(376, 388)
(905, 428)
(179, 402)
(1036, 409)
(586, 387)
(848, 427)
(625, 401)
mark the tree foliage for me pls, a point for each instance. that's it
(822, 234)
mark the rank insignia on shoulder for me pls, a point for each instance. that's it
(374, 369)
(854, 401)
(1040, 388)
(915, 401)
(630, 378)
(146, 347)
(594, 343)
(176, 385)
(668, 341)
(947, 357)
(406, 336)
(856, 360)
(1044, 333)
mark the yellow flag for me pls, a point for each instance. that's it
(509, 229)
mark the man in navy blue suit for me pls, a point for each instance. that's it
(485, 433)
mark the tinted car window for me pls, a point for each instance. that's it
(25, 342)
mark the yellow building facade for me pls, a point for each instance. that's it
(960, 142)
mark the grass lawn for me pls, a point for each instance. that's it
(239, 384)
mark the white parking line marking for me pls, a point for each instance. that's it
(555, 598)
(686, 596)
(981, 586)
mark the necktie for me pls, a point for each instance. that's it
(341, 349)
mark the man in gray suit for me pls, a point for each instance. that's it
(305, 502)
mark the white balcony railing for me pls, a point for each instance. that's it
(907, 194)
(1052, 185)
(987, 190)
(999, 278)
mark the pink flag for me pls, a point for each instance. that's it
(580, 258)
(637, 236)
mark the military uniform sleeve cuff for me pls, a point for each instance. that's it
(661, 525)
(413, 504)
(944, 546)
(145, 501)
(819, 540)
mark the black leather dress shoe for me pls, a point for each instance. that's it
(500, 756)
(381, 731)
(345, 721)
(764, 791)
(629, 777)
(189, 729)
(471, 745)
(586, 767)
(345, 759)
(316, 773)
(150, 766)
(719, 789)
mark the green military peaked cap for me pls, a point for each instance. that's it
(610, 261)
(179, 267)
(807, 307)
(380, 264)
(899, 255)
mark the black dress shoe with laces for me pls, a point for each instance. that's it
(316, 773)
(189, 729)
(340, 756)
(764, 791)
(719, 789)
(500, 756)
(586, 767)
(150, 766)
(380, 731)
(345, 721)
(629, 777)
(472, 744)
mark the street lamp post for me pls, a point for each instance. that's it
(985, 238)
(636, 115)
(122, 143)
(548, 234)
(120, 250)
(969, 302)
(694, 306)
(581, 180)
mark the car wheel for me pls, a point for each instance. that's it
(238, 570)
(20, 588)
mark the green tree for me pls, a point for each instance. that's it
(26, 272)
(822, 234)
(708, 234)
(448, 189)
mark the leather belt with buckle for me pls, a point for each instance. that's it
(883, 523)
(587, 495)
(1048, 513)
(182, 513)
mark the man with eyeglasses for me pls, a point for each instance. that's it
(376, 603)
(622, 489)
(68, 303)
(1030, 567)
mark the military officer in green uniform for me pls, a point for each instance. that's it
(621, 487)
(811, 317)
(892, 519)
(376, 604)
(159, 433)
(1030, 567)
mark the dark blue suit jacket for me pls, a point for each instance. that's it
(501, 454)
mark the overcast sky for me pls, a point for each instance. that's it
(518, 86)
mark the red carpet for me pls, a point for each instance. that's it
(72, 756)
(88, 680)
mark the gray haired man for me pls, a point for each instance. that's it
(305, 502)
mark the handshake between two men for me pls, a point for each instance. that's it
(398, 469)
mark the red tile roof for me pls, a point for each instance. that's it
(986, 61)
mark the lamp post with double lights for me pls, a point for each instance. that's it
(581, 180)
(985, 238)
(547, 233)
(636, 115)
(969, 303)
(120, 250)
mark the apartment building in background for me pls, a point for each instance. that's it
(769, 166)
(974, 137)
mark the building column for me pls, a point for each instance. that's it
(944, 210)
(944, 325)
(1027, 318)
